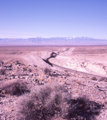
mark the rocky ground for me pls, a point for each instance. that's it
(17, 79)
(44, 92)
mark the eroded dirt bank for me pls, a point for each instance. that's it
(32, 88)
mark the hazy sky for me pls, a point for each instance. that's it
(53, 18)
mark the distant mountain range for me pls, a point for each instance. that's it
(52, 41)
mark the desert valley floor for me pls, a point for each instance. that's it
(53, 83)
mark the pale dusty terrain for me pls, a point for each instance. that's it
(82, 70)
(89, 59)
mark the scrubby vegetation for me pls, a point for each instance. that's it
(103, 79)
(14, 88)
(47, 71)
(50, 103)
(82, 109)
(34, 93)
(2, 71)
(94, 78)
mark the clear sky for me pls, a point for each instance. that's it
(53, 18)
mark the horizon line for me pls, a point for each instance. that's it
(51, 37)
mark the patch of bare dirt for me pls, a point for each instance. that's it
(32, 89)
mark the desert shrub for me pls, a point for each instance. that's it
(2, 71)
(17, 62)
(103, 79)
(47, 71)
(50, 103)
(82, 109)
(30, 70)
(1, 63)
(54, 74)
(24, 69)
(94, 78)
(16, 88)
(50, 73)
(42, 105)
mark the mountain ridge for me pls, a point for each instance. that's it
(53, 41)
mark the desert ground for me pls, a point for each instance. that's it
(53, 83)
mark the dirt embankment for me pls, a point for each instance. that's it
(31, 88)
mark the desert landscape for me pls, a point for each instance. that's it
(53, 83)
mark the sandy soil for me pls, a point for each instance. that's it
(81, 70)
(89, 59)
